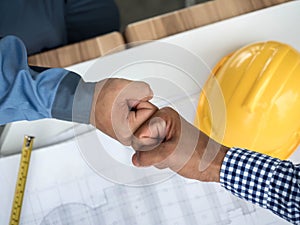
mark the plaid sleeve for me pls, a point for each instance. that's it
(263, 180)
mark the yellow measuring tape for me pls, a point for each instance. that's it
(21, 181)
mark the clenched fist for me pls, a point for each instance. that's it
(120, 107)
(167, 140)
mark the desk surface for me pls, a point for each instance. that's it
(192, 17)
(209, 44)
(205, 42)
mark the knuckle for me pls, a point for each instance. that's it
(124, 139)
(143, 160)
(147, 159)
(145, 87)
(136, 145)
(125, 142)
(171, 110)
(161, 166)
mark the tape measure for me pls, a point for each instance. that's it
(21, 180)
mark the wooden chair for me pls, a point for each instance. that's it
(192, 17)
(78, 52)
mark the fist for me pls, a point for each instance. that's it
(167, 140)
(120, 107)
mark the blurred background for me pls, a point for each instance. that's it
(136, 10)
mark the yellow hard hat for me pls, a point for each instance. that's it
(260, 91)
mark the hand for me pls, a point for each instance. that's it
(168, 141)
(120, 107)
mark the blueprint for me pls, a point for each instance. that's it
(62, 189)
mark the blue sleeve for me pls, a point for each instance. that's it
(30, 94)
(263, 180)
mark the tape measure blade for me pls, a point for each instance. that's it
(21, 180)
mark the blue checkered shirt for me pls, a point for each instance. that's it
(263, 180)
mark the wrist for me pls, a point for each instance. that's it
(211, 159)
(95, 103)
(214, 170)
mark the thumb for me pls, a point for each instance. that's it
(150, 134)
(141, 113)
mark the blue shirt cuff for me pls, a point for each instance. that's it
(73, 100)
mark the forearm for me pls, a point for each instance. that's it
(212, 155)
(212, 173)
